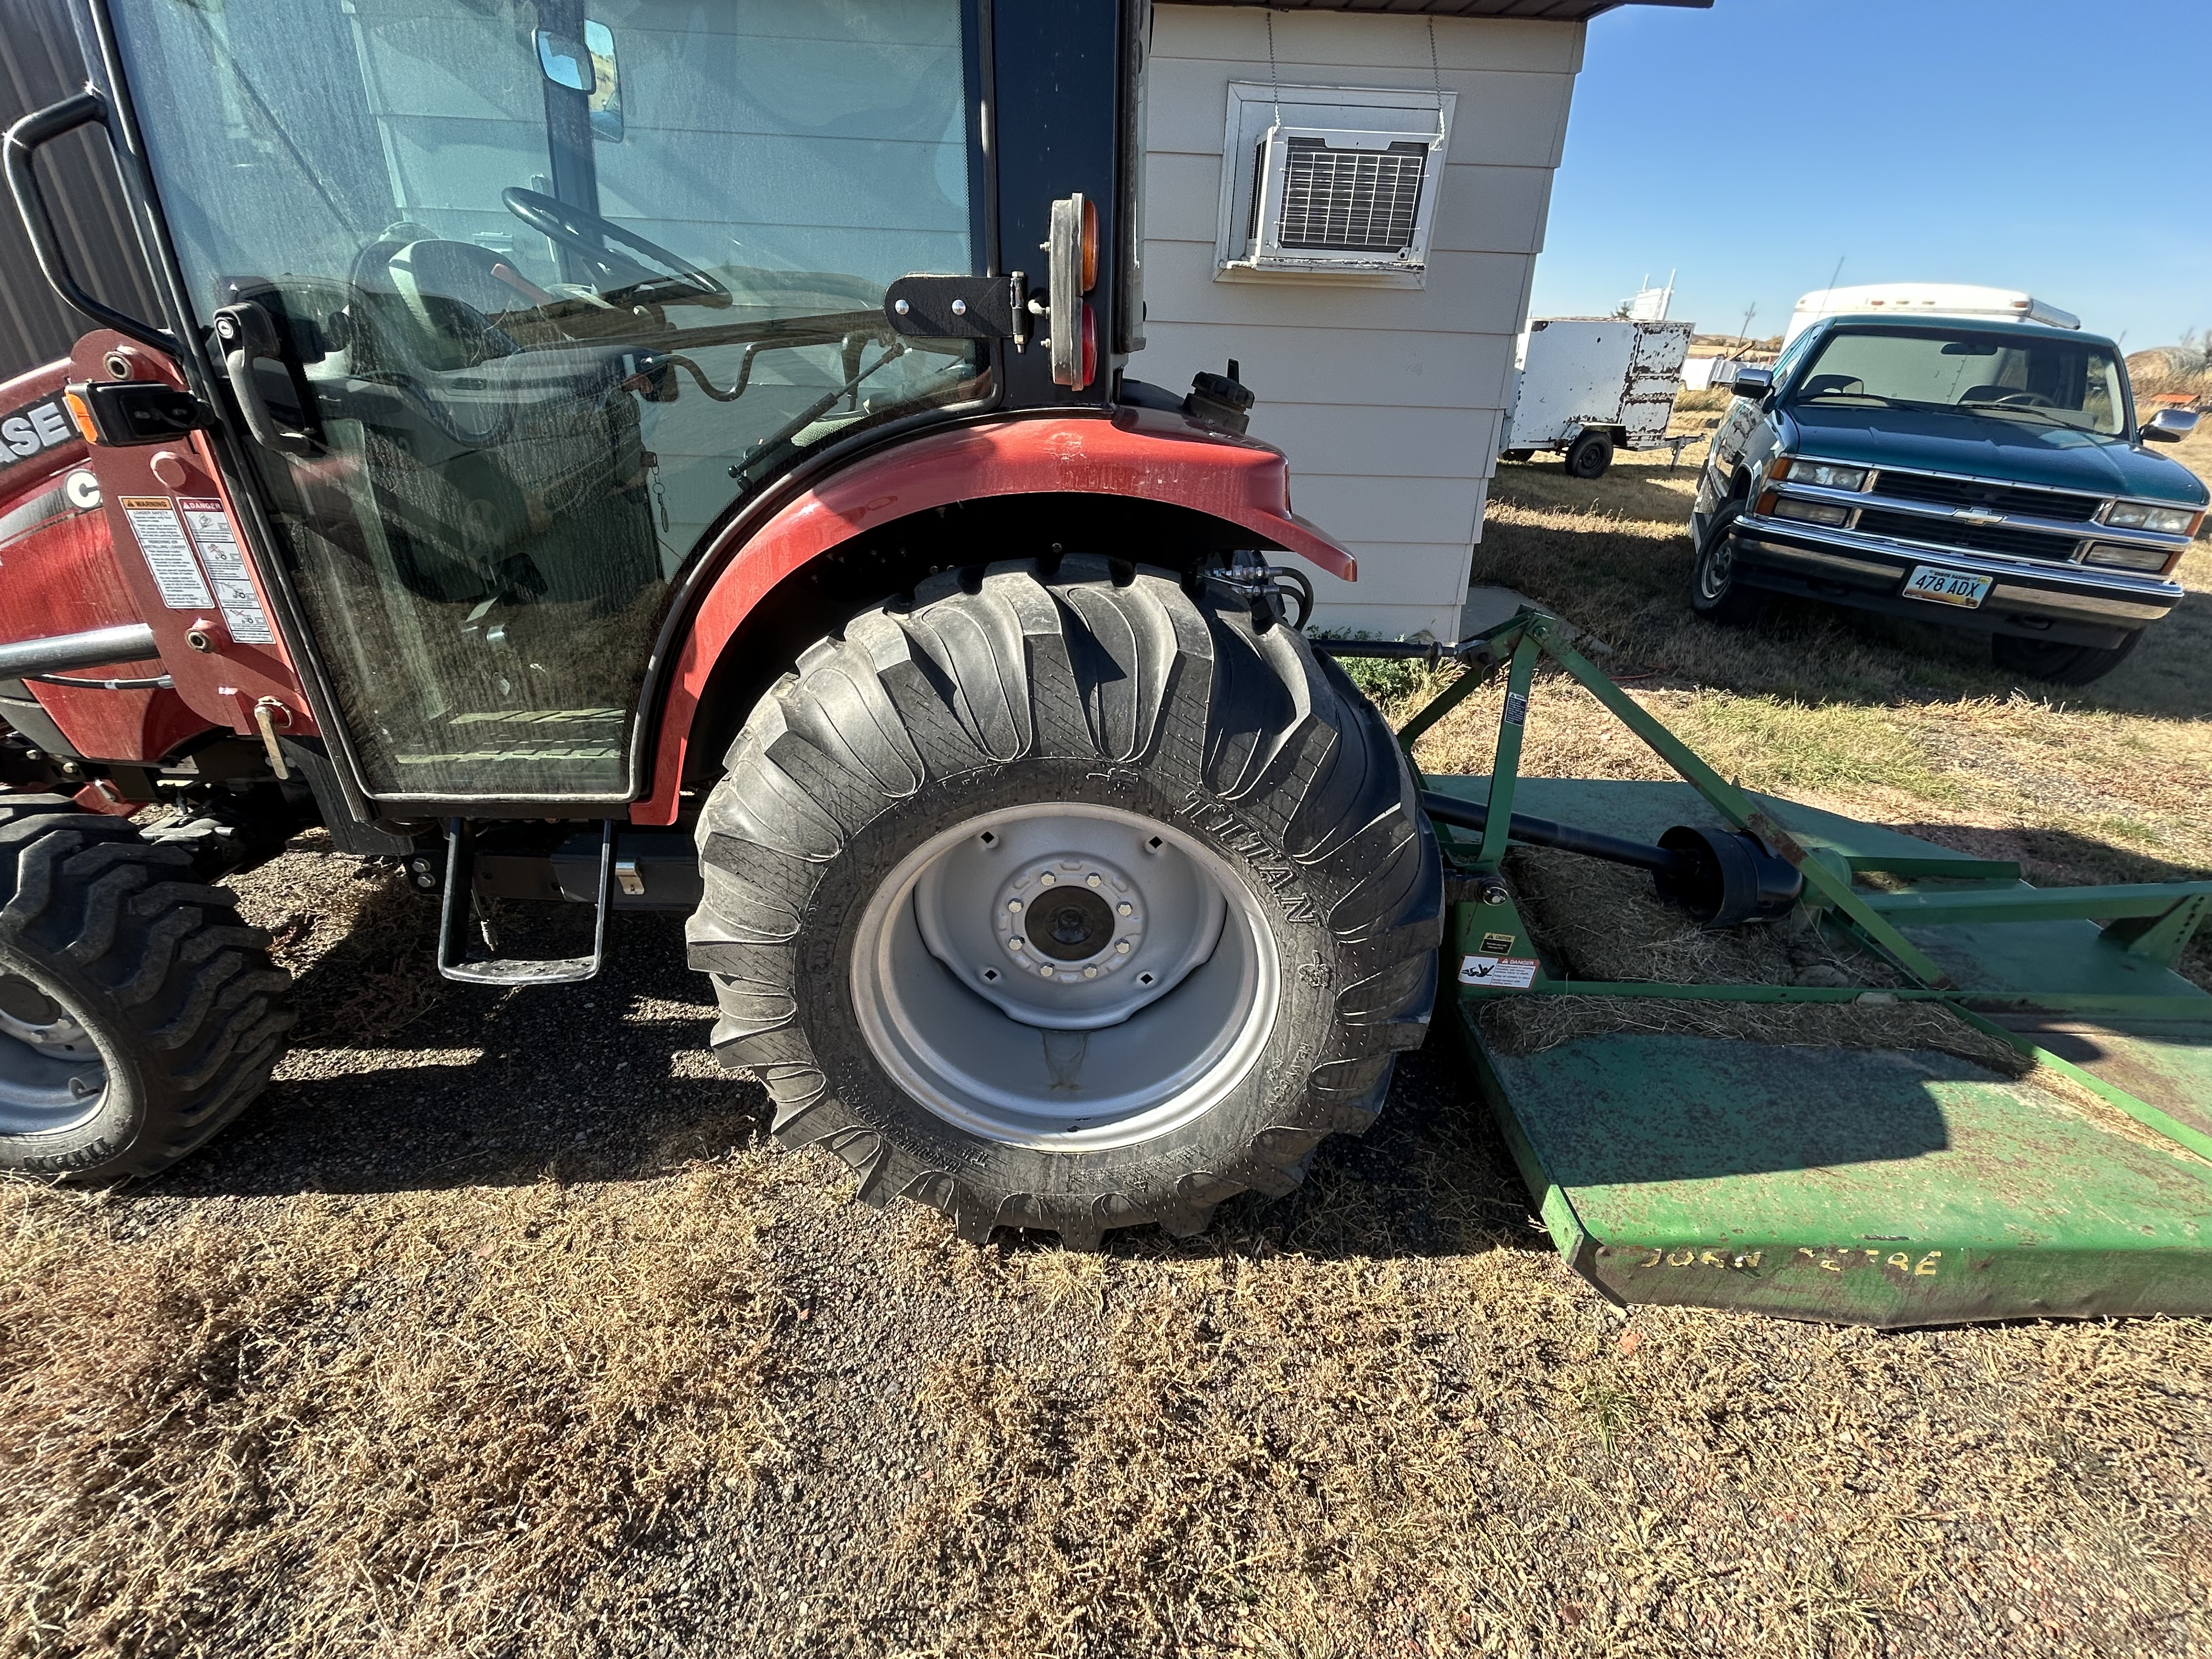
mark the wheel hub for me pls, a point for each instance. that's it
(1064, 975)
(51, 1076)
(1072, 918)
(1068, 919)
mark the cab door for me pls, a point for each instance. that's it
(518, 303)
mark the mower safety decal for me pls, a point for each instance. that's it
(169, 553)
(34, 429)
(234, 587)
(1513, 973)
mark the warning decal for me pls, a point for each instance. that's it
(234, 587)
(1513, 973)
(161, 538)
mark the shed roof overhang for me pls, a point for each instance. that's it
(1550, 11)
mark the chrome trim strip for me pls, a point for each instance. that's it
(1782, 534)
(2057, 598)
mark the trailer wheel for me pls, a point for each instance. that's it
(1589, 455)
(1715, 592)
(2061, 665)
(1068, 901)
(137, 1014)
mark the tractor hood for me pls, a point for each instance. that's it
(2018, 452)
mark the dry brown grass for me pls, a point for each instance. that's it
(420, 1425)
(1354, 1457)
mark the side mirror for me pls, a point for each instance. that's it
(1752, 383)
(2169, 426)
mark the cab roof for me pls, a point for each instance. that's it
(1546, 11)
(1935, 322)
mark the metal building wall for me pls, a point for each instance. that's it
(40, 62)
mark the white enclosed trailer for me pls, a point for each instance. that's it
(1585, 386)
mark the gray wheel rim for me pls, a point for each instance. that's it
(52, 1076)
(1065, 976)
(1716, 564)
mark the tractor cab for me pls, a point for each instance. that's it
(517, 305)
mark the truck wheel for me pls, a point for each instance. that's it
(1715, 592)
(1589, 455)
(2061, 665)
(1068, 901)
(137, 1014)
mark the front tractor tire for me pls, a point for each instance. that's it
(1065, 898)
(139, 1015)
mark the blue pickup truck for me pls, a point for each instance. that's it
(1988, 474)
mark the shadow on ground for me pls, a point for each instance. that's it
(400, 1082)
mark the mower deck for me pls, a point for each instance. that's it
(1875, 1186)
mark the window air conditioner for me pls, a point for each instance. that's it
(1325, 199)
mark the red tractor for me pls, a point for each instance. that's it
(546, 474)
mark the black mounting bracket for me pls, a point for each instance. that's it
(960, 307)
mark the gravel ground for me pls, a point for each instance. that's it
(496, 1329)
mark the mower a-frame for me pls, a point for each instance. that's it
(1879, 1185)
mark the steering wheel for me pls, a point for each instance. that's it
(676, 280)
(2026, 400)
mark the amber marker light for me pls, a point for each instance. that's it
(1090, 245)
(80, 414)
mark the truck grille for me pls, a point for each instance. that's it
(1973, 537)
(1353, 201)
(1997, 498)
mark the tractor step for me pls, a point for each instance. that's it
(1875, 1186)
(459, 916)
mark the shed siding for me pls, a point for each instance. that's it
(1388, 401)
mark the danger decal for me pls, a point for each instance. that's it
(226, 567)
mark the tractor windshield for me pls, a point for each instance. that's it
(552, 292)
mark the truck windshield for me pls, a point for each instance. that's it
(2043, 379)
(553, 289)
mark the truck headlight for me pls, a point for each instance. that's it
(1811, 511)
(2122, 556)
(1827, 476)
(2137, 515)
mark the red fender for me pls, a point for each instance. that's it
(1155, 454)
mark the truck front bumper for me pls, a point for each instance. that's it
(2038, 600)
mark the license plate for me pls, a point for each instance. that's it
(1946, 586)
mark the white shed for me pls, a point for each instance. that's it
(1385, 385)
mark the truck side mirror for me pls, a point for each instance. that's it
(2169, 426)
(1754, 383)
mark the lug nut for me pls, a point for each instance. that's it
(1014, 904)
(1122, 947)
(1047, 879)
(1092, 879)
(1126, 909)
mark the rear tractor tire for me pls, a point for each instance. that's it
(139, 1015)
(1067, 900)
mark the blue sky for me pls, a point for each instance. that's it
(2051, 145)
